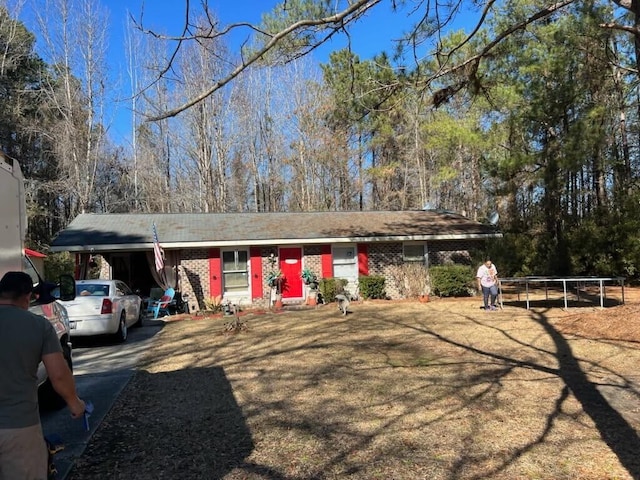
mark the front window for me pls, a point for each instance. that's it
(414, 253)
(235, 271)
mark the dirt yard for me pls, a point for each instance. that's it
(394, 390)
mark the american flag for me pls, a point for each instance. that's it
(158, 254)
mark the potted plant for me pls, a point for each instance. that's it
(311, 280)
(308, 277)
(275, 280)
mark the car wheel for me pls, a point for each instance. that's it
(48, 398)
(121, 334)
(140, 318)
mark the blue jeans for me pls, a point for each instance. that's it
(489, 291)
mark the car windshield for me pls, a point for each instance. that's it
(93, 289)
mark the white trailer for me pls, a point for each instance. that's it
(13, 231)
(13, 215)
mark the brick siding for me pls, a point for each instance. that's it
(448, 252)
(383, 257)
(267, 266)
(194, 265)
(312, 259)
(105, 268)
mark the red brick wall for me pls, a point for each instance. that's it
(446, 252)
(381, 258)
(312, 259)
(195, 265)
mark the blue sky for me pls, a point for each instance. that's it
(371, 35)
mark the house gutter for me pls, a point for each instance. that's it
(271, 242)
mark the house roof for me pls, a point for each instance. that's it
(112, 232)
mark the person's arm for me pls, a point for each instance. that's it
(63, 382)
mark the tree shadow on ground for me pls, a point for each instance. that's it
(185, 424)
(614, 429)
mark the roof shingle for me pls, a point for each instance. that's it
(101, 232)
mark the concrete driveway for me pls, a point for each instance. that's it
(101, 370)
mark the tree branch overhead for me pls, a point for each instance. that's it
(352, 12)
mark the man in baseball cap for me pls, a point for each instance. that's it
(26, 339)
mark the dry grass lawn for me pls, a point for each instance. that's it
(394, 390)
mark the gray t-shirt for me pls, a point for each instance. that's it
(24, 338)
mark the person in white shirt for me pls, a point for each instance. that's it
(487, 277)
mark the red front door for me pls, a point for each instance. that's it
(291, 268)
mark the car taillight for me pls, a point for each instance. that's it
(107, 306)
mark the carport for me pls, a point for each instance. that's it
(133, 268)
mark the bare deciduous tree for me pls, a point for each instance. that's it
(75, 46)
(155, 149)
(14, 45)
(296, 27)
(315, 30)
(206, 130)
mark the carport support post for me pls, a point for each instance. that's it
(601, 296)
(564, 287)
(526, 286)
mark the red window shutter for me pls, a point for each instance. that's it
(326, 261)
(256, 272)
(215, 272)
(363, 259)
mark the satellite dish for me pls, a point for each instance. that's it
(493, 218)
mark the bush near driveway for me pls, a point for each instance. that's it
(395, 390)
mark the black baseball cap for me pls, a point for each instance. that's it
(15, 284)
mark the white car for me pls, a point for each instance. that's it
(56, 313)
(103, 307)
